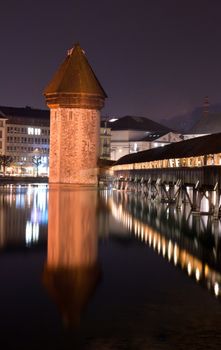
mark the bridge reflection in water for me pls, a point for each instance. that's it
(143, 300)
(71, 272)
(192, 243)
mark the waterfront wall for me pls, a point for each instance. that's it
(22, 179)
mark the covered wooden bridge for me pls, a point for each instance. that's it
(183, 171)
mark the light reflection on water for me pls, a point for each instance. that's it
(190, 242)
(99, 247)
(78, 218)
(72, 270)
(23, 215)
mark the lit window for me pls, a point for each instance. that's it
(30, 131)
(37, 131)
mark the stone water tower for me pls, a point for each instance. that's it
(75, 98)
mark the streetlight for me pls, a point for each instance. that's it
(36, 160)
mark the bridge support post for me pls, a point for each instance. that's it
(149, 188)
(126, 184)
(197, 197)
(178, 194)
(216, 210)
(158, 189)
(171, 192)
(209, 197)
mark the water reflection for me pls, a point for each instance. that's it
(190, 242)
(23, 215)
(72, 271)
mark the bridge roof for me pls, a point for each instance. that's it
(198, 146)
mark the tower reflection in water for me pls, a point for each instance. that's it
(72, 271)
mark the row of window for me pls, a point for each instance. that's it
(25, 149)
(34, 131)
(26, 140)
(44, 159)
(29, 130)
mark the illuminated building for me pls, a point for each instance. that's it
(2, 134)
(75, 98)
(105, 140)
(25, 133)
(132, 134)
(196, 152)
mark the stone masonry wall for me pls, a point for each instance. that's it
(74, 145)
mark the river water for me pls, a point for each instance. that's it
(88, 269)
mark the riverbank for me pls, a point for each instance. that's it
(22, 179)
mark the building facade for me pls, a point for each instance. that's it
(132, 134)
(25, 133)
(105, 140)
(2, 135)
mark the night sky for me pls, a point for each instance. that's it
(154, 58)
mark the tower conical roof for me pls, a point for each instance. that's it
(75, 76)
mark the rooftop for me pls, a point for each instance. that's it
(75, 76)
(198, 146)
(27, 113)
(24, 112)
(138, 123)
